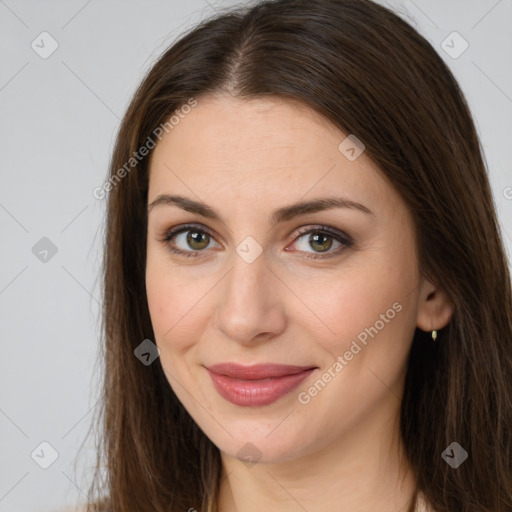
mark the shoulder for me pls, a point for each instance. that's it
(421, 504)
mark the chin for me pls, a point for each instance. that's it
(267, 439)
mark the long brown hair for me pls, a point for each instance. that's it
(371, 74)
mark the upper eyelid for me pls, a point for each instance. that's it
(301, 231)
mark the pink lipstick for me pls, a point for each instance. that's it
(256, 385)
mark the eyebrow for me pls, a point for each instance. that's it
(280, 215)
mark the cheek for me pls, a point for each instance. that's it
(370, 314)
(374, 297)
(175, 303)
(159, 295)
(348, 306)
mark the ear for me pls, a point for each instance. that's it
(435, 308)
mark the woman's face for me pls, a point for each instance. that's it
(255, 284)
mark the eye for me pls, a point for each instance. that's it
(321, 240)
(190, 240)
(187, 240)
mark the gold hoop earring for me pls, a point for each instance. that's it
(434, 335)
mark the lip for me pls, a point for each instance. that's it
(256, 385)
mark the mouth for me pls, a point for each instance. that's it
(256, 385)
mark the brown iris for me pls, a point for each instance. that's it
(198, 240)
(324, 242)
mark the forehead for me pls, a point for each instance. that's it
(257, 150)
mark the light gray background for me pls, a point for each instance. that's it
(58, 120)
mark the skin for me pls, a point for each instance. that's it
(342, 450)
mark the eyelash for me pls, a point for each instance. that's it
(340, 237)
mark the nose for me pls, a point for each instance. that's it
(250, 308)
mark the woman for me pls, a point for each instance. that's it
(307, 302)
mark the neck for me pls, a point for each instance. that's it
(365, 470)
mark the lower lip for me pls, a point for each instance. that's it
(252, 393)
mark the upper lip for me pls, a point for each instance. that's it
(257, 371)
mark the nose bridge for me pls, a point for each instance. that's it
(249, 305)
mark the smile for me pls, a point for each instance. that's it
(256, 385)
